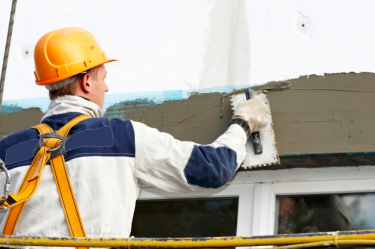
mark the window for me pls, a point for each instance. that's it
(324, 213)
(222, 212)
(346, 203)
(272, 201)
(203, 217)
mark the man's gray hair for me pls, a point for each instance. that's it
(60, 84)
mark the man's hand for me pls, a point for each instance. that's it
(254, 111)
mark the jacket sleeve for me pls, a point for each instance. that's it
(177, 166)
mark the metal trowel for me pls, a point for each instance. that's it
(262, 152)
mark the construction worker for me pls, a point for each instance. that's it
(96, 166)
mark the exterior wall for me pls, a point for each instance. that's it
(331, 114)
(195, 45)
(181, 60)
(178, 60)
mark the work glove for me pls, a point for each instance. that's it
(254, 111)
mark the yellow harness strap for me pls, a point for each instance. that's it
(30, 182)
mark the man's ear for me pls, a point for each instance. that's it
(85, 84)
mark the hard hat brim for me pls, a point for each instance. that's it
(54, 80)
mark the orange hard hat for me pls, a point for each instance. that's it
(66, 52)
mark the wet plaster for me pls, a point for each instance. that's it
(195, 119)
(311, 115)
(331, 114)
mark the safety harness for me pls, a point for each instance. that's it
(50, 148)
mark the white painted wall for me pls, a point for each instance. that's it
(160, 44)
(186, 44)
(336, 38)
(5, 8)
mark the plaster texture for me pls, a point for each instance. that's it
(330, 114)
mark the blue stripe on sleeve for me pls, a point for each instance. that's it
(210, 167)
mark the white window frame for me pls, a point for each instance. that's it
(257, 191)
(244, 192)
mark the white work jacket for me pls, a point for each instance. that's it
(107, 161)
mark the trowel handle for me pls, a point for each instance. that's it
(257, 142)
(255, 135)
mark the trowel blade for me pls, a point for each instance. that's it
(270, 155)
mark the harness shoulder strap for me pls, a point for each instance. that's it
(64, 187)
(15, 211)
(32, 177)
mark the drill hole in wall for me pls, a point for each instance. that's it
(26, 52)
(303, 25)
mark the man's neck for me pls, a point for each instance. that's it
(85, 98)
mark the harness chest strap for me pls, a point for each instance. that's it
(32, 177)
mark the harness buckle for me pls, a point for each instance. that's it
(7, 183)
(55, 152)
(55, 149)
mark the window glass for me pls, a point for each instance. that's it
(185, 218)
(323, 213)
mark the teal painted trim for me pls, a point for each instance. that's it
(13, 105)
(142, 98)
(156, 97)
(360, 154)
(7, 109)
(173, 95)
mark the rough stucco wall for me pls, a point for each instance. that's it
(195, 119)
(331, 114)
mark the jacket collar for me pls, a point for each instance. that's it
(70, 103)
